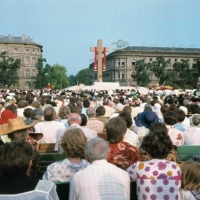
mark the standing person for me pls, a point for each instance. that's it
(190, 181)
(157, 178)
(100, 180)
(15, 162)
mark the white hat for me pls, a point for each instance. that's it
(184, 109)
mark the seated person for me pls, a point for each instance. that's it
(121, 153)
(73, 142)
(15, 162)
(190, 180)
(157, 178)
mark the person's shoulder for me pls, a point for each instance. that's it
(45, 185)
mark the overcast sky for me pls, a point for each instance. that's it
(68, 28)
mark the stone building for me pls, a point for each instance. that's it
(25, 49)
(121, 63)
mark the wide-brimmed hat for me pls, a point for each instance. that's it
(14, 125)
(6, 115)
(146, 118)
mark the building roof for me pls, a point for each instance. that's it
(13, 39)
(174, 49)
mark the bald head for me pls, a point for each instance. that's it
(91, 112)
(74, 118)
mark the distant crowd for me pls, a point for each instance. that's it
(109, 138)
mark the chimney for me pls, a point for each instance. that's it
(23, 37)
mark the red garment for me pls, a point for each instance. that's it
(123, 154)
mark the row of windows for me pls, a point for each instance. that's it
(28, 51)
(28, 73)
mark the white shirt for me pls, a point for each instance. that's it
(100, 181)
(89, 134)
(187, 195)
(49, 130)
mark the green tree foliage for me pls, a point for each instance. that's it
(83, 76)
(56, 75)
(8, 69)
(196, 68)
(158, 67)
(72, 80)
(184, 75)
(142, 73)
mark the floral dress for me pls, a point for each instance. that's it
(123, 154)
(156, 179)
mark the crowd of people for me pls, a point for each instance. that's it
(108, 137)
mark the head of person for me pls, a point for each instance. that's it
(64, 111)
(100, 111)
(180, 115)
(195, 120)
(170, 118)
(79, 104)
(73, 142)
(27, 112)
(127, 118)
(86, 103)
(146, 118)
(91, 112)
(21, 104)
(12, 108)
(96, 149)
(74, 118)
(49, 114)
(157, 143)
(15, 159)
(190, 175)
(36, 104)
(16, 129)
(116, 129)
(77, 109)
(37, 114)
(83, 120)
(164, 109)
(127, 109)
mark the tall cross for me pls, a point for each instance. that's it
(98, 51)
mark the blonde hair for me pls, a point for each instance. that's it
(190, 175)
(73, 142)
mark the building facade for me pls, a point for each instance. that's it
(25, 49)
(121, 63)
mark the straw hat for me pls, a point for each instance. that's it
(14, 125)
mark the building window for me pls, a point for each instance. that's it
(27, 50)
(118, 75)
(122, 63)
(33, 51)
(123, 76)
(15, 50)
(133, 62)
(175, 60)
(33, 61)
(27, 61)
(27, 72)
(150, 59)
(34, 72)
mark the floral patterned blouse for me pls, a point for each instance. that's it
(156, 179)
(123, 154)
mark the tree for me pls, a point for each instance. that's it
(142, 75)
(158, 67)
(57, 76)
(184, 76)
(40, 79)
(72, 80)
(196, 68)
(83, 76)
(8, 69)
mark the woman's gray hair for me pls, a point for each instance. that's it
(36, 113)
(195, 120)
(96, 149)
